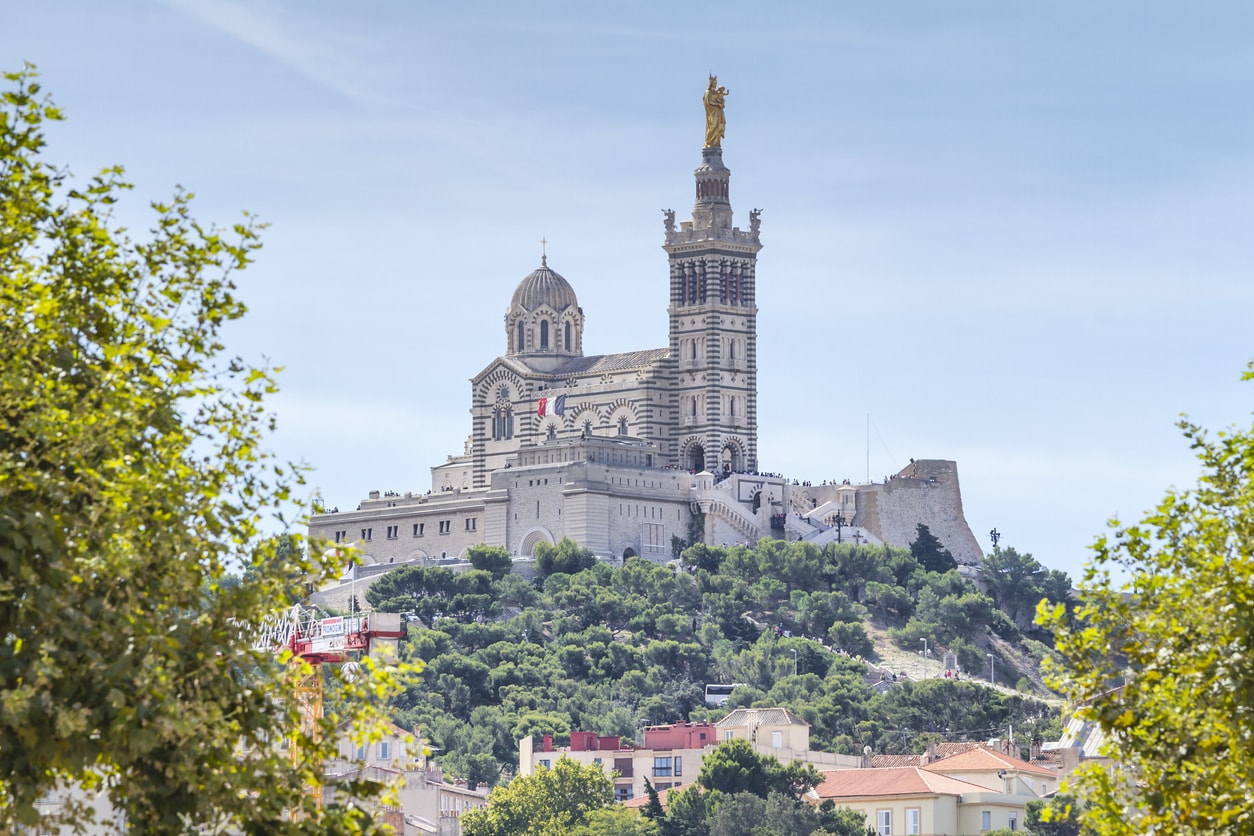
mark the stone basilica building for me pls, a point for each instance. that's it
(622, 453)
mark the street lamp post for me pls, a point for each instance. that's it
(926, 654)
(995, 535)
(992, 661)
(794, 660)
(840, 523)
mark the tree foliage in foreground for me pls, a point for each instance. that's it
(1164, 661)
(132, 477)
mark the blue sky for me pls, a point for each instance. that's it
(1013, 235)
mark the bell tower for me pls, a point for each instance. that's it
(713, 316)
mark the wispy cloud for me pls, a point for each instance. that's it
(324, 57)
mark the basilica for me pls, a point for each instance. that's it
(635, 454)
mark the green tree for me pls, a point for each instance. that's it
(567, 557)
(734, 767)
(495, 560)
(615, 821)
(686, 812)
(843, 821)
(550, 802)
(851, 637)
(1056, 817)
(740, 814)
(929, 552)
(426, 591)
(1015, 582)
(1162, 654)
(653, 810)
(132, 478)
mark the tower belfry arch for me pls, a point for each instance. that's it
(713, 312)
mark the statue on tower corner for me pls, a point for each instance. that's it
(715, 122)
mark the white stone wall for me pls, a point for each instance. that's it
(462, 514)
(925, 492)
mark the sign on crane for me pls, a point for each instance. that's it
(332, 640)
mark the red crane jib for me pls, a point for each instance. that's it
(333, 640)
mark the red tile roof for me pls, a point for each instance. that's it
(961, 757)
(985, 759)
(906, 780)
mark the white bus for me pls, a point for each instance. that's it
(717, 695)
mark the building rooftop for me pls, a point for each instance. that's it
(742, 717)
(985, 758)
(613, 362)
(906, 780)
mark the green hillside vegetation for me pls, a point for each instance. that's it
(586, 646)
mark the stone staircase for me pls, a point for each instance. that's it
(719, 505)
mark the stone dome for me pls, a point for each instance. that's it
(544, 287)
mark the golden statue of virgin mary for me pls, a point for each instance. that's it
(715, 122)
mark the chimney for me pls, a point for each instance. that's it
(548, 743)
(930, 755)
(1071, 758)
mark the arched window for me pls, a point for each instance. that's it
(568, 336)
(622, 426)
(544, 333)
(503, 416)
(518, 345)
(552, 432)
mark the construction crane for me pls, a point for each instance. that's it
(333, 640)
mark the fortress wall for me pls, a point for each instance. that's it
(927, 491)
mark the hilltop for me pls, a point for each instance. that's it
(575, 644)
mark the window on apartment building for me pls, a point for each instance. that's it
(662, 767)
(914, 818)
(361, 752)
(394, 531)
(986, 820)
(623, 793)
(1014, 821)
(385, 750)
(341, 536)
(446, 526)
(472, 523)
(367, 533)
(884, 822)
(777, 739)
(419, 529)
(546, 763)
(679, 765)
